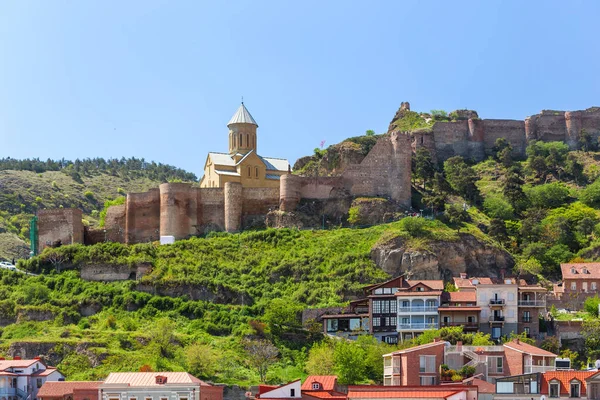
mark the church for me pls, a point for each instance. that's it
(242, 163)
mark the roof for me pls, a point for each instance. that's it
(467, 282)
(322, 394)
(436, 284)
(266, 388)
(44, 372)
(242, 116)
(462, 297)
(275, 164)
(415, 348)
(327, 382)
(349, 315)
(231, 173)
(272, 164)
(430, 293)
(565, 378)
(484, 386)
(60, 389)
(5, 364)
(593, 270)
(221, 159)
(403, 394)
(149, 378)
(529, 349)
(459, 308)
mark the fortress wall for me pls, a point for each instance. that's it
(142, 222)
(451, 139)
(385, 171)
(256, 203)
(320, 187)
(232, 192)
(114, 223)
(576, 121)
(59, 224)
(424, 138)
(211, 206)
(548, 126)
(289, 192)
(512, 130)
(178, 210)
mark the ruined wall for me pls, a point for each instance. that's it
(513, 131)
(385, 171)
(211, 216)
(114, 223)
(59, 226)
(451, 139)
(256, 203)
(547, 126)
(142, 221)
(178, 210)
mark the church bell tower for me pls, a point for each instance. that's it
(242, 131)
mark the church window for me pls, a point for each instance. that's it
(249, 174)
(256, 171)
(241, 142)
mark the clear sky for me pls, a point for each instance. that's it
(160, 79)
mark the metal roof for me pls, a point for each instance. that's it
(140, 379)
(242, 116)
(272, 164)
(275, 164)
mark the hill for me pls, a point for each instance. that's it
(30, 185)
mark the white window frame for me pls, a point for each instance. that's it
(573, 285)
(427, 380)
(594, 286)
(426, 361)
(557, 386)
(316, 386)
(575, 382)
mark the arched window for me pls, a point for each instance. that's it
(256, 171)
(249, 174)
(247, 141)
(241, 142)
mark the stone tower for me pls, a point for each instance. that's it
(242, 132)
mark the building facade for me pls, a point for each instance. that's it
(71, 390)
(460, 309)
(22, 379)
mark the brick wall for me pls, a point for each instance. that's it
(59, 225)
(114, 223)
(178, 210)
(211, 214)
(410, 363)
(511, 130)
(142, 221)
(211, 392)
(256, 203)
(513, 362)
(85, 394)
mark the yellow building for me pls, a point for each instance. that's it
(242, 163)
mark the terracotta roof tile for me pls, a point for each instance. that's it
(4, 364)
(593, 270)
(431, 293)
(528, 348)
(329, 395)
(44, 372)
(327, 382)
(463, 297)
(420, 347)
(140, 379)
(403, 394)
(60, 389)
(434, 284)
(484, 386)
(565, 378)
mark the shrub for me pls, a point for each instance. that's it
(498, 207)
(121, 191)
(591, 305)
(415, 226)
(550, 195)
(89, 194)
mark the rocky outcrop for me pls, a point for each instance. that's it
(52, 353)
(219, 294)
(374, 210)
(333, 161)
(113, 272)
(442, 260)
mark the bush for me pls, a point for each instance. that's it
(550, 195)
(591, 305)
(415, 226)
(89, 194)
(498, 207)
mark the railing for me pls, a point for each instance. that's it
(466, 324)
(494, 318)
(421, 325)
(529, 369)
(532, 303)
(391, 370)
(474, 349)
(417, 309)
(497, 302)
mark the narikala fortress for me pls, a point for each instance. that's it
(240, 188)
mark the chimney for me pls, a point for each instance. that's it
(459, 346)
(463, 275)
(517, 341)
(16, 358)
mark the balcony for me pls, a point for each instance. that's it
(530, 369)
(465, 324)
(418, 309)
(532, 303)
(497, 302)
(391, 370)
(418, 326)
(495, 318)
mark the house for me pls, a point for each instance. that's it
(438, 392)
(460, 309)
(580, 277)
(565, 384)
(351, 322)
(22, 379)
(292, 390)
(400, 367)
(157, 386)
(551, 384)
(322, 387)
(523, 358)
(383, 309)
(418, 303)
(519, 387)
(531, 305)
(72, 390)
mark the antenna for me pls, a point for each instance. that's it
(242, 99)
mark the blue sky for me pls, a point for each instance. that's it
(160, 79)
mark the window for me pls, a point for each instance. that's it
(527, 331)
(554, 389)
(574, 389)
(378, 291)
(376, 307)
(405, 304)
(405, 321)
(292, 392)
(420, 289)
(495, 365)
(376, 322)
(391, 339)
(393, 306)
(511, 296)
(316, 386)
(431, 303)
(249, 172)
(526, 316)
(392, 321)
(427, 364)
(427, 380)
(241, 143)
(573, 285)
(256, 171)
(584, 286)
(135, 398)
(594, 286)
(471, 319)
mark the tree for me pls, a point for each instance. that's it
(370, 132)
(550, 195)
(162, 338)
(591, 305)
(503, 152)
(424, 167)
(498, 231)
(320, 359)
(461, 178)
(282, 315)
(456, 215)
(349, 363)
(498, 207)
(261, 354)
(513, 190)
(450, 287)
(201, 360)
(591, 195)
(551, 344)
(586, 141)
(574, 168)
(435, 202)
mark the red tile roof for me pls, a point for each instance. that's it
(433, 284)
(423, 393)
(430, 293)
(140, 379)
(463, 297)
(44, 372)
(5, 364)
(484, 386)
(593, 270)
(61, 389)
(529, 349)
(565, 378)
(331, 395)
(327, 382)
(467, 282)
